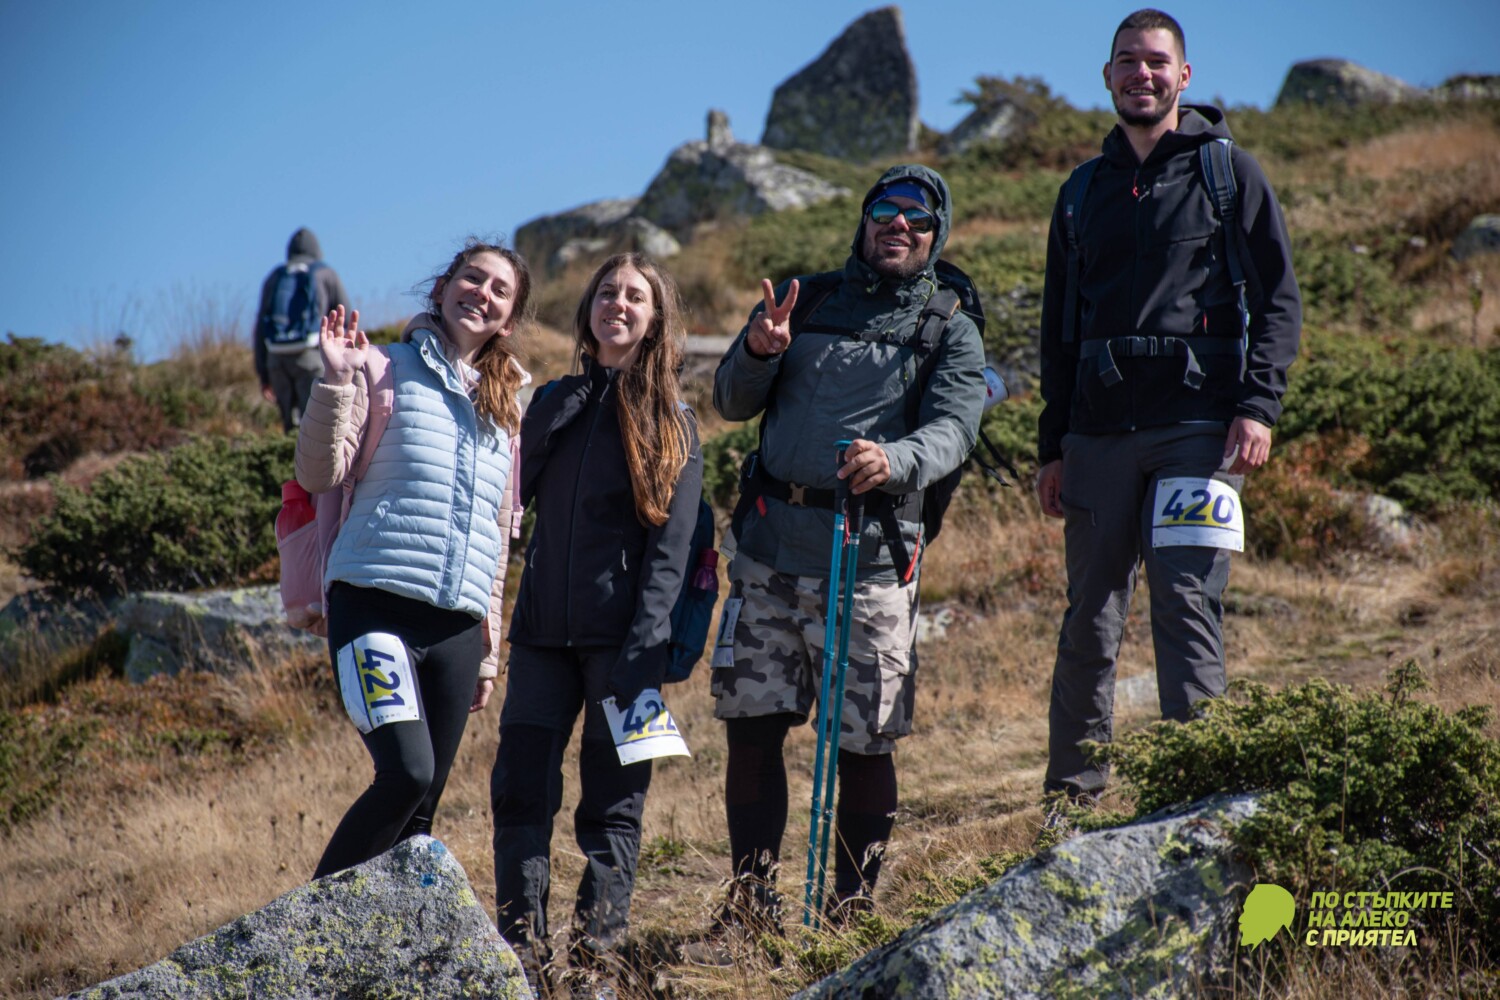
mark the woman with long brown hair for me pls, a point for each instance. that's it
(611, 466)
(414, 578)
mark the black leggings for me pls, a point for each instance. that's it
(412, 758)
(755, 800)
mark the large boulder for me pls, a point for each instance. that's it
(220, 630)
(1142, 910)
(1482, 237)
(857, 101)
(718, 178)
(405, 924)
(1341, 82)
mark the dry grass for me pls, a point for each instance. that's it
(142, 856)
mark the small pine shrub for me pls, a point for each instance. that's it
(200, 515)
(722, 455)
(782, 245)
(1431, 415)
(1358, 792)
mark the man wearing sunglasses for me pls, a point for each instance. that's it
(827, 358)
(1170, 317)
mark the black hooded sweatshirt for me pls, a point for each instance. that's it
(1152, 264)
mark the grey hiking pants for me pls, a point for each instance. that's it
(1108, 490)
(292, 377)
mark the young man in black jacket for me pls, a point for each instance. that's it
(1159, 394)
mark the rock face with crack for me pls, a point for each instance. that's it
(857, 101)
(1144, 909)
(404, 924)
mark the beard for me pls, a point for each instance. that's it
(1149, 119)
(909, 266)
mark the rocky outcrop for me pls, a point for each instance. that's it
(994, 122)
(1481, 237)
(1468, 87)
(220, 630)
(405, 924)
(1142, 910)
(857, 101)
(1339, 81)
(552, 242)
(718, 178)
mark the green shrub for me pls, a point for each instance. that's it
(1369, 792)
(782, 245)
(1059, 136)
(722, 455)
(200, 515)
(1431, 415)
(1352, 280)
(1008, 271)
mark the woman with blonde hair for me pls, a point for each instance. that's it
(611, 466)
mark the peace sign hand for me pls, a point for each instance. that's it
(342, 346)
(771, 331)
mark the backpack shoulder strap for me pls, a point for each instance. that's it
(1216, 161)
(1073, 194)
(380, 391)
(812, 292)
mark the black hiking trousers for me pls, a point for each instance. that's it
(546, 688)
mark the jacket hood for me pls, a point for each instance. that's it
(933, 182)
(1196, 124)
(304, 244)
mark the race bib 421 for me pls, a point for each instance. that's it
(375, 676)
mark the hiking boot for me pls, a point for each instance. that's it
(1060, 815)
(842, 912)
(751, 909)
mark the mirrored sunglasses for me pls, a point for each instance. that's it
(919, 219)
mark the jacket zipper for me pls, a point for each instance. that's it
(588, 442)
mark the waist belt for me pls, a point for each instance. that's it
(1187, 348)
(907, 507)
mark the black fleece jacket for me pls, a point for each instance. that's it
(595, 574)
(1152, 264)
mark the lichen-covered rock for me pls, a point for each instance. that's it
(857, 101)
(716, 179)
(405, 924)
(1339, 81)
(1481, 237)
(220, 630)
(994, 122)
(1143, 910)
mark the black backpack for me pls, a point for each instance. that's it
(291, 327)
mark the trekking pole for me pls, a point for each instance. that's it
(830, 705)
(853, 525)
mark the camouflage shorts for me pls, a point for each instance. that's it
(777, 661)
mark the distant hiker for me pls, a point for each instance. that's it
(838, 363)
(416, 573)
(293, 300)
(1161, 383)
(611, 467)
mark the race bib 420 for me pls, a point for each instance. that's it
(1191, 511)
(375, 676)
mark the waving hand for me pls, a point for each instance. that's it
(342, 346)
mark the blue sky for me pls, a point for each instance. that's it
(157, 155)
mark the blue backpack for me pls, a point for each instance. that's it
(693, 614)
(291, 327)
